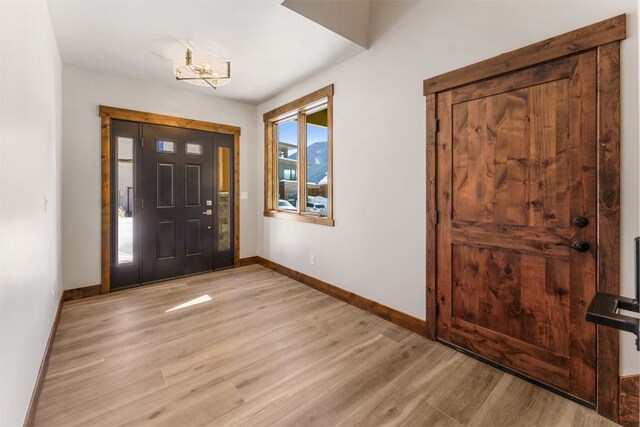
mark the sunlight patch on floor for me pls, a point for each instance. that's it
(195, 301)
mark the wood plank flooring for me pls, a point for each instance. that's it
(256, 348)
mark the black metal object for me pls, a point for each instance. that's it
(604, 308)
(578, 245)
(580, 221)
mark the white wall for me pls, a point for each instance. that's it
(83, 90)
(30, 134)
(377, 247)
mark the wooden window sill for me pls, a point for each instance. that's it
(301, 217)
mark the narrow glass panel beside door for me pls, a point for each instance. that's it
(125, 199)
(124, 213)
(224, 199)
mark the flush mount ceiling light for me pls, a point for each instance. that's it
(200, 70)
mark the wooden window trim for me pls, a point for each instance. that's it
(604, 37)
(106, 114)
(272, 115)
(271, 118)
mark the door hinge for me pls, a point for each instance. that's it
(437, 125)
(141, 203)
(436, 218)
(142, 142)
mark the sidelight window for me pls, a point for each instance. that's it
(124, 176)
(298, 150)
(223, 198)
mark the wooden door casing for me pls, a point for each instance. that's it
(517, 163)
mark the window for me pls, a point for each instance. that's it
(193, 149)
(298, 159)
(124, 181)
(164, 146)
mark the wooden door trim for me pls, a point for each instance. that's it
(604, 37)
(161, 119)
(608, 234)
(236, 200)
(105, 200)
(106, 114)
(432, 219)
(585, 38)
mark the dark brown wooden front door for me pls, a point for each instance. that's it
(516, 188)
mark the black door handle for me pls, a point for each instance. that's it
(578, 245)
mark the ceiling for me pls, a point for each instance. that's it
(271, 48)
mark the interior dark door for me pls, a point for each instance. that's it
(177, 202)
(516, 238)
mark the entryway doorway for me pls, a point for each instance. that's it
(172, 205)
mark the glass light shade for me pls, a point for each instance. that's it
(203, 71)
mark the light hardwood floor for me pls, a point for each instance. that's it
(268, 350)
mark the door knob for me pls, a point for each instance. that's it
(580, 221)
(578, 245)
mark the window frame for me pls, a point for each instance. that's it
(298, 108)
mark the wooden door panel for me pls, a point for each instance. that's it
(516, 163)
(551, 368)
(548, 162)
(545, 303)
(522, 296)
(510, 157)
